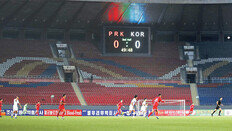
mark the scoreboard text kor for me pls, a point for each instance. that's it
(126, 40)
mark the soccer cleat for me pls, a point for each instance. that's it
(11, 116)
(157, 117)
(15, 117)
(211, 114)
(57, 118)
(147, 117)
(62, 118)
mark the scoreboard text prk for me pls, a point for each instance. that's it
(126, 40)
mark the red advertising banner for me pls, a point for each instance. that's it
(67, 113)
(171, 112)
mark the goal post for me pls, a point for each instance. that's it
(168, 108)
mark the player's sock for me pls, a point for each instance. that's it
(116, 114)
(213, 112)
(63, 114)
(133, 113)
(120, 113)
(16, 115)
(149, 114)
(58, 114)
(12, 115)
(219, 113)
(0, 113)
(144, 114)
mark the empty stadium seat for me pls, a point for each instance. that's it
(96, 94)
(40, 91)
(210, 93)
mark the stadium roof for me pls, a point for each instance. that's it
(165, 1)
(77, 14)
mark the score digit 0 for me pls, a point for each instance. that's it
(137, 44)
(116, 44)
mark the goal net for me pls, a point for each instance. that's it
(168, 108)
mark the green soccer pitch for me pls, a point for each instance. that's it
(41, 123)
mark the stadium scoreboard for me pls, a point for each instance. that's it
(126, 40)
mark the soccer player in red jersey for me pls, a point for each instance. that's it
(119, 105)
(155, 102)
(37, 106)
(1, 100)
(190, 110)
(61, 106)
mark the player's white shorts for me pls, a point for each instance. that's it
(143, 108)
(15, 108)
(131, 108)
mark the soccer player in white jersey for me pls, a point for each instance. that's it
(15, 107)
(132, 105)
(25, 109)
(143, 110)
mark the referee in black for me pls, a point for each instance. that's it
(219, 103)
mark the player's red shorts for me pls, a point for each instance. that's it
(119, 109)
(37, 109)
(155, 107)
(61, 108)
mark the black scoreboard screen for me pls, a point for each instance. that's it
(126, 40)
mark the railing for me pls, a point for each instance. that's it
(134, 79)
(137, 78)
(218, 80)
(30, 77)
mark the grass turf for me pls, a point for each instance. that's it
(30, 123)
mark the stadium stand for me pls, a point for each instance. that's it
(216, 57)
(215, 67)
(110, 94)
(210, 93)
(34, 64)
(31, 92)
(22, 58)
(11, 48)
(163, 53)
(224, 71)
